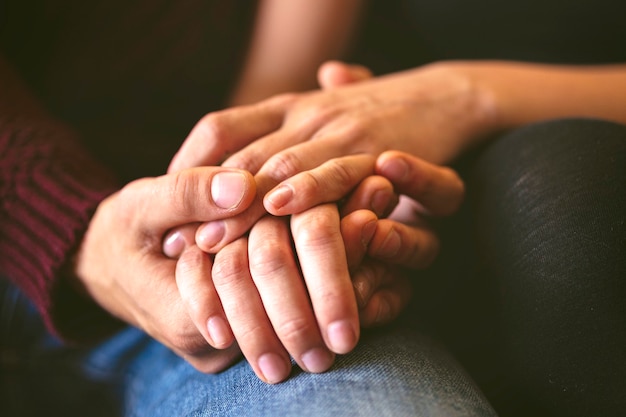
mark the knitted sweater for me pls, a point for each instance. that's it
(124, 83)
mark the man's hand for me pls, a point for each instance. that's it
(121, 264)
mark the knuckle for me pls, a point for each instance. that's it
(356, 129)
(185, 189)
(283, 165)
(243, 160)
(295, 330)
(228, 268)
(283, 99)
(316, 230)
(190, 261)
(212, 127)
(268, 259)
(342, 173)
(311, 181)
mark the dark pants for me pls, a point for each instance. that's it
(530, 290)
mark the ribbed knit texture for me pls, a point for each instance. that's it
(128, 80)
(48, 192)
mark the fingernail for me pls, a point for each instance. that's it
(280, 196)
(380, 201)
(228, 188)
(210, 234)
(362, 287)
(317, 360)
(173, 245)
(395, 169)
(367, 233)
(273, 367)
(341, 336)
(390, 246)
(219, 332)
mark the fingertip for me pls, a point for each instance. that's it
(273, 368)
(210, 234)
(173, 244)
(220, 334)
(277, 199)
(317, 360)
(229, 189)
(343, 336)
(177, 240)
(393, 166)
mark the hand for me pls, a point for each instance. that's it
(121, 265)
(273, 304)
(379, 251)
(431, 111)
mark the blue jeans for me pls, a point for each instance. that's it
(395, 372)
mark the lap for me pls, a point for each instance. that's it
(393, 372)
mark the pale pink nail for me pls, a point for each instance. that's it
(210, 234)
(341, 336)
(173, 245)
(219, 332)
(273, 367)
(228, 188)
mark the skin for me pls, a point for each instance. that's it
(119, 230)
(275, 309)
(135, 220)
(437, 112)
(290, 41)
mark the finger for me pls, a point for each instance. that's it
(220, 133)
(367, 278)
(178, 239)
(404, 245)
(438, 189)
(334, 74)
(193, 278)
(329, 182)
(357, 230)
(164, 315)
(279, 282)
(374, 193)
(211, 237)
(318, 242)
(245, 312)
(192, 195)
(386, 303)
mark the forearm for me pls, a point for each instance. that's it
(290, 41)
(516, 94)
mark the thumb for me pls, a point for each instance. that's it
(187, 196)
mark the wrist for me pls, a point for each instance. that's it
(470, 105)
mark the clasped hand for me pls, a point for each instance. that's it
(252, 288)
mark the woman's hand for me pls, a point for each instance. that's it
(380, 247)
(432, 112)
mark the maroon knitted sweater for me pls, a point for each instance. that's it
(124, 83)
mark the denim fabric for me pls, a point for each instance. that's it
(392, 373)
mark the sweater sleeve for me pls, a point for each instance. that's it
(49, 188)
